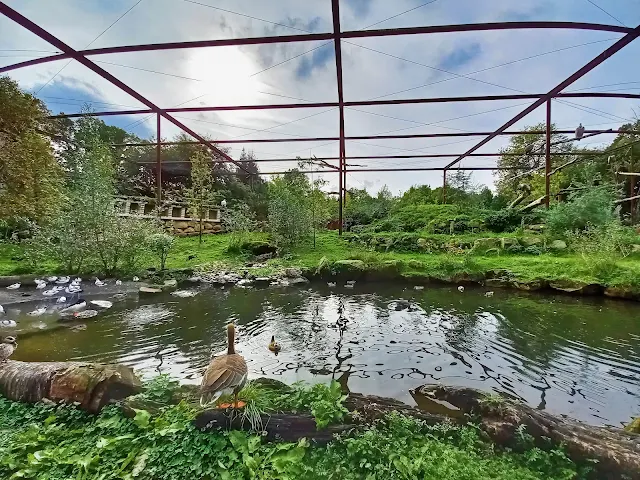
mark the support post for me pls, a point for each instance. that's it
(335, 10)
(547, 165)
(632, 184)
(340, 192)
(444, 186)
(158, 164)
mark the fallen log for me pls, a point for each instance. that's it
(89, 385)
(617, 452)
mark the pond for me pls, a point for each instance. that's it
(574, 356)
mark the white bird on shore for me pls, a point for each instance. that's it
(136, 279)
(14, 286)
(74, 307)
(351, 282)
(63, 280)
(51, 292)
(118, 282)
(61, 300)
(38, 311)
(488, 294)
(349, 285)
(331, 284)
(40, 284)
(7, 323)
(73, 289)
(101, 303)
(1, 310)
(461, 289)
(77, 280)
(100, 283)
(52, 279)
(419, 287)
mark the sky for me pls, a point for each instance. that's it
(398, 67)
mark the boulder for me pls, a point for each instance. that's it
(531, 285)
(558, 245)
(576, 287)
(145, 291)
(292, 272)
(625, 292)
(245, 282)
(531, 241)
(262, 281)
(483, 244)
(506, 242)
(298, 281)
(388, 270)
(349, 268)
(180, 225)
(497, 282)
(536, 228)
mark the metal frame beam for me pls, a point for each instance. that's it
(72, 53)
(616, 47)
(359, 103)
(335, 11)
(310, 37)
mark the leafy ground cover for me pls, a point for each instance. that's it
(60, 442)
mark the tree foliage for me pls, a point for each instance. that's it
(289, 209)
(201, 194)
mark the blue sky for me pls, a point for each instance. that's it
(471, 63)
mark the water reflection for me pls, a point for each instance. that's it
(579, 357)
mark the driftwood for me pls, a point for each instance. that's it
(90, 385)
(617, 452)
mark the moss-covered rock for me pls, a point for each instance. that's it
(558, 245)
(388, 270)
(531, 285)
(531, 241)
(627, 292)
(577, 287)
(484, 244)
(349, 268)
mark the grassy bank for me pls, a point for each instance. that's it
(60, 442)
(213, 253)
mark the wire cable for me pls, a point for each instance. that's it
(607, 13)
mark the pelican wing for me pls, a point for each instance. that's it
(225, 372)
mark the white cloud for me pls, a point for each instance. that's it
(228, 74)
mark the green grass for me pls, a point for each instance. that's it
(60, 442)
(213, 254)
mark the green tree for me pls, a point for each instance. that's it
(201, 194)
(289, 209)
(30, 176)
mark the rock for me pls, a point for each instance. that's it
(497, 282)
(388, 270)
(298, 281)
(350, 268)
(245, 282)
(558, 245)
(626, 292)
(531, 285)
(536, 228)
(415, 264)
(506, 242)
(292, 272)
(262, 281)
(483, 244)
(194, 279)
(171, 283)
(143, 291)
(264, 257)
(577, 287)
(180, 225)
(531, 241)
(257, 247)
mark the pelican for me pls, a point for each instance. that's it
(51, 292)
(7, 323)
(100, 283)
(118, 282)
(7, 347)
(225, 374)
(14, 286)
(63, 280)
(73, 289)
(461, 289)
(52, 279)
(1, 310)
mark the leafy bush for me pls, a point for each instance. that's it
(505, 220)
(240, 221)
(161, 244)
(324, 401)
(289, 210)
(594, 206)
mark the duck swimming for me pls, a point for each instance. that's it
(274, 346)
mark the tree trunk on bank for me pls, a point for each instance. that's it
(90, 385)
(617, 452)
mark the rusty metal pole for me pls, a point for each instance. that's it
(632, 184)
(335, 10)
(340, 194)
(547, 165)
(158, 164)
(444, 186)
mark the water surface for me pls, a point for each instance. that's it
(574, 356)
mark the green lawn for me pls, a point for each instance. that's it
(213, 253)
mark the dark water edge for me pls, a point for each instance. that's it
(577, 356)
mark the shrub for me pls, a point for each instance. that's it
(161, 244)
(240, 221)
(594, 206)
(289, 212)
(505, 220)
